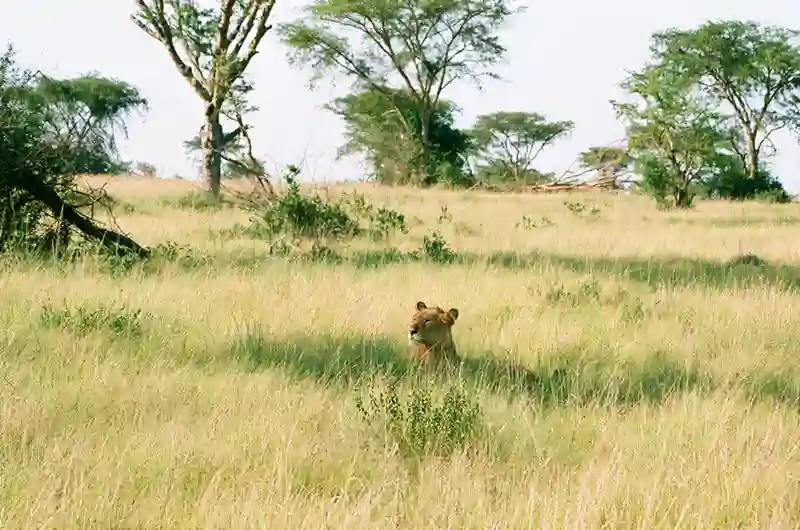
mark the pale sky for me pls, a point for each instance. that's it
(565, 61)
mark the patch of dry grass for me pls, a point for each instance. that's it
(627, 376)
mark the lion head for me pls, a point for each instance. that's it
(430, 331)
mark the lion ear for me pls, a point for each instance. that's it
(421, 306)
(453, 313)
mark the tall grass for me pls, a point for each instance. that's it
(621, 370)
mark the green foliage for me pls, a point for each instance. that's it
(774, 195)
(672, 136)
(608, 161)
(709, 101)
(418, 426)
(385, 125)
(605, 157)
(745, 71)
(436, 249)
(40, 202)
(665, 187)
(507, 144)
(382, 221)
(82, 320)
(422, 46)
(428, 44)
(293, 217)
(85, 113)
(306, 217)
(731, 181)
(25, 149)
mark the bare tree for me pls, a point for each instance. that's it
(211, 48)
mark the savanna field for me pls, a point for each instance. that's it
(624, 368)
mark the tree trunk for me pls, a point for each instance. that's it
(683, 197)
(425, 146)
(752, 155)
(211, 144)
(40, 191)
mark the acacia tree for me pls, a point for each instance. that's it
(85, 113)
(608, 161)
(673, 138)
(378, 126)
(39, 198)
(507, 143)
(211, 48)
(751, 71)
(421, 47)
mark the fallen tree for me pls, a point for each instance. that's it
(39, 196)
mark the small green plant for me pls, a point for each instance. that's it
(582, 210)
(436, 249)
(386, 221)
(322, 254)
(419, 426)
(293, 217)
(298, 216)
(83, 320)
(186, 256)
(112, 263)
(587, 293)
(381, 221)
(529, 223)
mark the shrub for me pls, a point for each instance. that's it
(293, 217)
(436, 249)
(83, 320)
(419, 426)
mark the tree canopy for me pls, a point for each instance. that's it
(421, 48)
(507, 143)
(749, 72)
(384, 125)
(39, 200)
(672, 136)
(86, 113)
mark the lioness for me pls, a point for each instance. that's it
(429, 336)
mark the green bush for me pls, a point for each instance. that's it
(293, 217)
(419, 426)
(436, 249)
(83, 320)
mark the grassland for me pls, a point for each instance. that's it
(628, 375)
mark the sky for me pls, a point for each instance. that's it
(565, 61)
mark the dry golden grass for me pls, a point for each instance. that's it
(662, 385)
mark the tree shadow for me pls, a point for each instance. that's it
(571, 377)
(654, 271)
(684, 272)
(781, 387)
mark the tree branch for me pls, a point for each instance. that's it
(153, 21)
